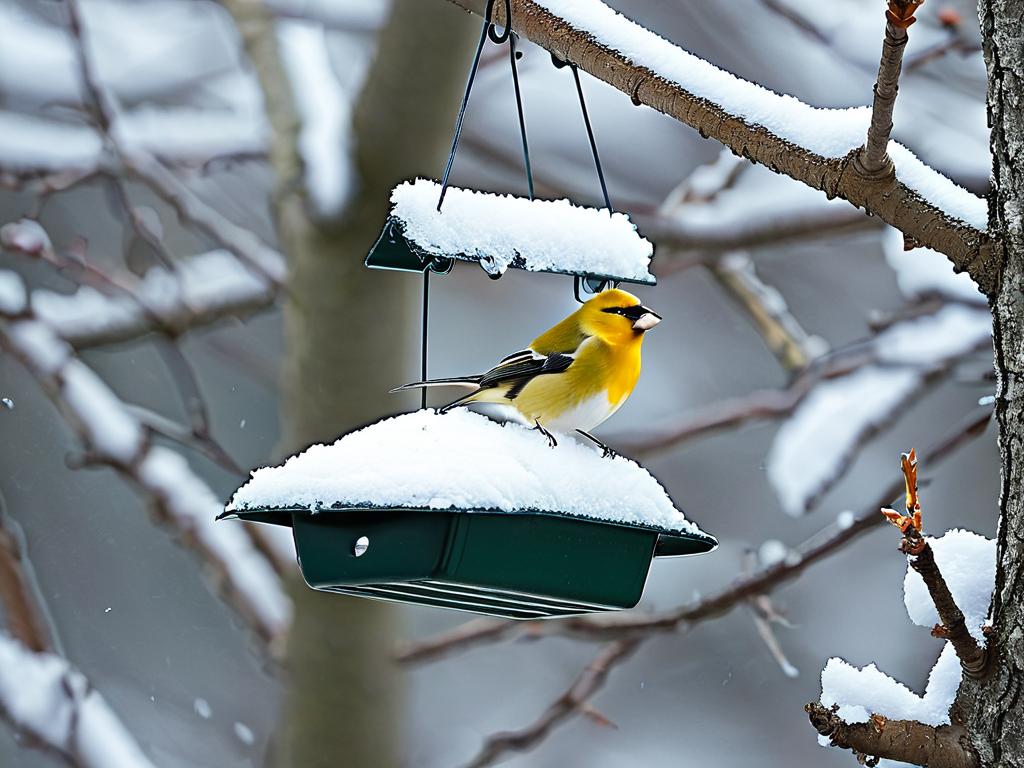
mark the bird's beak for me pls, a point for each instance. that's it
(647, 320)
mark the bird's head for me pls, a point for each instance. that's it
(616, 316)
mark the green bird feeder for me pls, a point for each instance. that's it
(458, 511)
(533, 532)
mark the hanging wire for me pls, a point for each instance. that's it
(423, 336)
(487, 31)
(580, 284)
(513, 55)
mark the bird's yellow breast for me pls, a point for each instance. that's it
(600, 369)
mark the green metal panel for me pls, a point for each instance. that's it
(520, 565)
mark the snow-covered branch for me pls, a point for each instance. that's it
(908, 741)
(114, 437)
(47, 699)
(814, 146)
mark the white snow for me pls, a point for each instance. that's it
(826, 132)
(937, 189)
(772, 552)
(44, 695)
(863, 692)
(462, 460)
(845, 520)
(244, 733)
(12, 293)
(111, 429)
(324, 111)
(31, 143)
(499, 229)
(968, 565)
(35, 340)
(205, 284)
(190, 501)
(922, 271)
(25, 235)
(932, 339)
(811, 448)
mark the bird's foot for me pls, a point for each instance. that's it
(551, 438)
(606, 452)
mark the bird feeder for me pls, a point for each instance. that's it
(532, 533)
(455, 510)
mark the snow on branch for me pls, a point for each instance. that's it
(47, 699)
(814, 146)
(840, 415)
(113, 436)
(876, 716)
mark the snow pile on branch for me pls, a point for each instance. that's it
(205, 286)
(44, 696)
(922, 272)
(462, 460)
(538, 235)
(968, 565)
(967, 562)
(826, 132)
(841, 414)
(829, 133)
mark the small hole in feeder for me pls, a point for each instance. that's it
(362, 544)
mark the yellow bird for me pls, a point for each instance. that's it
(573, 376)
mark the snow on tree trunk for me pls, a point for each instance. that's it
(996, 705)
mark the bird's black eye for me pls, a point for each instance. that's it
(633, 312)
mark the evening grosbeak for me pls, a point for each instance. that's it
(573, 376)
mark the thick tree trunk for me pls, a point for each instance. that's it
(996, 704)
(346, 339)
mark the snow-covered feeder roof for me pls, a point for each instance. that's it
(502, 231)
(463, 461)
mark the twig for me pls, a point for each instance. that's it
(57, 709)
(781, 331)
(22, 613)
(589, 682)
(908, 741)
(113, 437)
(973, 657)
(441, 644)
(873, 160)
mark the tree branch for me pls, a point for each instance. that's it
(889, 198)
(589, 682)
(908, 741)
(113, 437)
(973, 657)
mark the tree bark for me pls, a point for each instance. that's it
(347, 342)
(995, 706)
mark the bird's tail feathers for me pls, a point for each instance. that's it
(455, 381)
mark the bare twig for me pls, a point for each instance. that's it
(908, 741)
(873, 159)
(439, 645)
(589, 682)
(21, 610)
(973, 657)
(768, 311)
(888, 198)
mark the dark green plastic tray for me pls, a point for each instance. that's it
(520, 565)
(394, 251)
